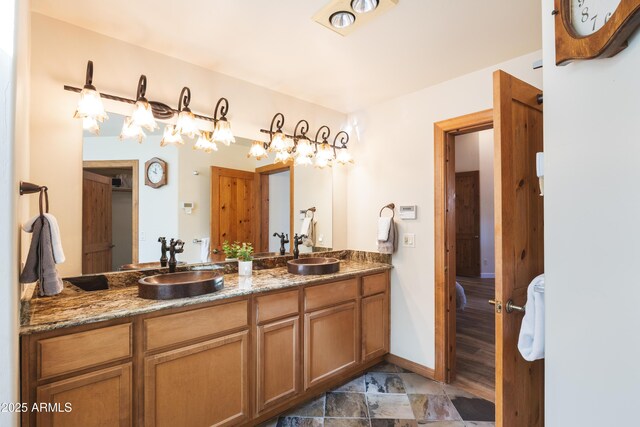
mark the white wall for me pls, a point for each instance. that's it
(474, 151)
(393, 147)
(592, 229)
(157, 207)
(59, 55)
(278, 207)
(314, 187)
(14, 91)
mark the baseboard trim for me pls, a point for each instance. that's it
(411, 366)
(488, 275)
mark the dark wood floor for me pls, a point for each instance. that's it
(475, 339)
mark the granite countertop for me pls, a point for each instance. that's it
(77, 308)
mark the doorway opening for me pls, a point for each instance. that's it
(276, 205)
(109, 215)
(474, 366)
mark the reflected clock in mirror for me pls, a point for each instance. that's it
(588, 16)
(155, 173)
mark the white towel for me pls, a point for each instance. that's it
(531, 340)
(389, 245)
(58, 253)
(305, 228)
(384, 227)
(204, 250)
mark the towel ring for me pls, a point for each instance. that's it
(30, 188)
(390, 206)
(312, 210)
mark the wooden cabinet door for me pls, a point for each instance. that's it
(278, 362)
(375, 326)
(204, 384)
(101, 398)
(331, 342)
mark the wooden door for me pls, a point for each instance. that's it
(204, 384)
(519, 245)
(278, 360)
(96, 223)
(375, 326)
(101, 398)
(330, 341)
(234, 212)
(468, 224)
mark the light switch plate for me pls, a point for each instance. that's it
(409, 240)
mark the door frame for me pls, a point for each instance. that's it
(135, 195)
(264, 172)
(445, 243)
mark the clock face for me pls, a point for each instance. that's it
(588, 16)
(155, 173)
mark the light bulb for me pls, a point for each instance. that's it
(222, 133)
(304, 148)
(342, 19)
(303, 160)
(171, 136)
(364, 6)
(90, 106)
(282, 157)
(344, 157)
(186, 124)
(325, 153)
(257, 150)
(278, 142)
(143, 116)
(131, 130)
(90, 125)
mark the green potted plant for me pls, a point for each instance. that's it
(245, 259)
(230, 250)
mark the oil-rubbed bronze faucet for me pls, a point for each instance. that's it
(283, 240)
(163, 249)
(175, 247)
(296, 241)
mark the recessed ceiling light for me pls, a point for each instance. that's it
(364, 6)
(342, 19)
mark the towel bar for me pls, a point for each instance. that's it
(31, 188)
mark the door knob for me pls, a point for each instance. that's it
(511, 307)
(497, 304)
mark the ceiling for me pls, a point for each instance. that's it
(276, 44)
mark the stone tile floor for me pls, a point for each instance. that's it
(389, 396)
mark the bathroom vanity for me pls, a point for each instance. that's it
(235, 357)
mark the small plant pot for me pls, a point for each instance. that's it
(245, 268)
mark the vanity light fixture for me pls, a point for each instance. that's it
(145, 114)
(342, 19)
(363, 6)
(300, 147)
(90, 108)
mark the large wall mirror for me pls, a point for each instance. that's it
(134, 193)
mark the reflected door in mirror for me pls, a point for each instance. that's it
(96, 223)
(234, 216)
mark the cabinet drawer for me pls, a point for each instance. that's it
(374, 284)
(278, 305)
(329, 294)
(69, 353)
(190, 325)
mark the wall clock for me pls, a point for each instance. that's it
(588, 29)
(155, 175)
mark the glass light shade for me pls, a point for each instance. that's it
(282, 157)
(186, 124)
(325, 152)
(343, 157)
(257, 150)
(203, 143)
(222, 133)
(143, 116)
(304, 148)
(278, 142)
(322, 163)
(171, 136)
(342, 19)
(364, 6)
(303, 160)
(90, 125)
(90, 106)
(131, 131)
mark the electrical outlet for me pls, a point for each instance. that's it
(485, 262)
(409, 240)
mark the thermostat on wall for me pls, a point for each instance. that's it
(188, 207)
(408, 212)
